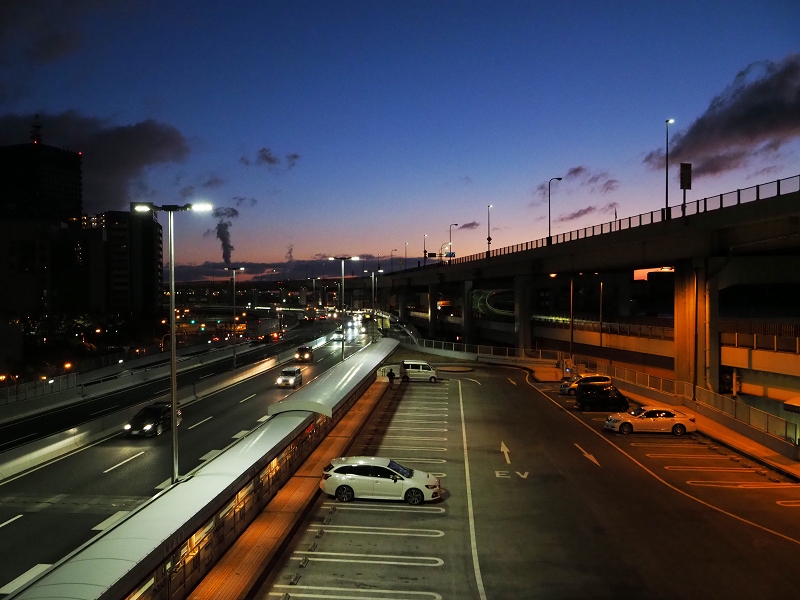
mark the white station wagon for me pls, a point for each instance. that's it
(377, 478)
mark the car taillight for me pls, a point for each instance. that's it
(325, 475)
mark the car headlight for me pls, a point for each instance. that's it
(291, 381)
(297, 355)
(148, 427)
(127, 426)
(306, 355)
(279, 380)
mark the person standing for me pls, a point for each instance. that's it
(391, 377)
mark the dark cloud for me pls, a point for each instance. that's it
(241, 200)
(575, 172)
(755, 116)
(607, 208)
(289, 253)
(213, 182)
(115, 157)
(222, 230)
(471, 225)
(580, 176)
(186, 192)
(266, 157)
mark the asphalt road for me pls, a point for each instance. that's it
(48, 512)
(28, 429)
(541, 503)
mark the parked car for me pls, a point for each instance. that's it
(152, 420)
(570, 386)
(379, 478)
(417, 370)
(598, 396)
(304, 354)
(649, 419)
(290, 377)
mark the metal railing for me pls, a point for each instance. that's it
(14, 392)
(757, 341)
(762, 191)
(630, 329)
(759, 419)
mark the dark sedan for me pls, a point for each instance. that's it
(151, 420)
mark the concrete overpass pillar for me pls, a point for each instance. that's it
(696, 325)
(467, 316)
(522, 311)
(401, 305)
(433, 316)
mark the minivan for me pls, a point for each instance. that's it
(417, 370)
(291, 377)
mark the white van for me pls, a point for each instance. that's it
(411, 370)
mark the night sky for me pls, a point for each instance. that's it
(353, 127)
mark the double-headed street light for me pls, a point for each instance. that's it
(549, 240)
(233, 271)
(451, 240)
(488, 231)
(425, 250)
(169, 209)
(341, 296)
(391, 260)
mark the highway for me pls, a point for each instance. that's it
(539, 502)
(28, 429)
(48, 512)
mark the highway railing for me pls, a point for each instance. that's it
(755, 193)
(629, 329)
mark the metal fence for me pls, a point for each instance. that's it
(772, 424)
(752, 194)
(630, 329)
(35, 389)
(758, 341)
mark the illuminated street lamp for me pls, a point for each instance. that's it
(451, 239)
(666, 169)
(488, 230)
(549, 240)
(425, 250)
(233, 271)
(341, 296)
(391, 260)
(170, 209)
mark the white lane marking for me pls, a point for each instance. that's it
(701, 456)
(248, 398)
(411, 561)
(404, 408)
(504, 450)
(603, 437)
(408, 437)
(364, 530)
(201, 422)
(240, 435)
(473, 542)
(106, 409)
(27, 576)
(124, 461)
(711, 469)
(372, 508)
(674, 444)
(211, 454)
(11, 520)
(406, 402)
(587, 455)
(413, 448)
(789, 503)
(115, 518)
(742, 485)
(432, 595)
(473, 380)
(24, 437)
(512, 381)
(321, 359)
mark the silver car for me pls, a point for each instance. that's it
(651, 419)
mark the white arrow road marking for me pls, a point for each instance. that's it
(587, 455)
(512, 381)
(504, 450)
(473, 380)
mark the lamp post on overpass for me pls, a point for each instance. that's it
(666, 170)
(425, 250)
(169, 209)
(549, 239)
(341, 296)
(488, 231)
(450, 245)
(233, 323)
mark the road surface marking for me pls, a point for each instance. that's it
(411, 561)
(248, 398)
(711, 469)
(201, 422)
(742, 485)
(123, 462)
(11, 520)
(587, 455)
(436, 461)
(240, 435)
(702, 456)
(473, 542)
(349, 591)
(408, 437)
(473, 380)
(363, 530)
(504, 450)
(27, 576)
(414, 448)
(512, 381)
(372, 508)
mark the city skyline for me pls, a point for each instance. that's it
(320, 130)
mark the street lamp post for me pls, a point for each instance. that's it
(169, 209)
(549, 239)
(666, 169)
(488, 231)
(233, 271)
(425, 250)
(450, 250)
(405, 257)
(391, 260)
(341, 296)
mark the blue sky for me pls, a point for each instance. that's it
(357, 127)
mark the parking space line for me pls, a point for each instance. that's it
(418, 421)
(742, 485)
(391, 428)
(349, 592)
(703, 456)
(372, 508)
(366, 530)
(712, 469)
(410, 561)
(789, 503)
(408, 437)
(669, 444)
(412, 448)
